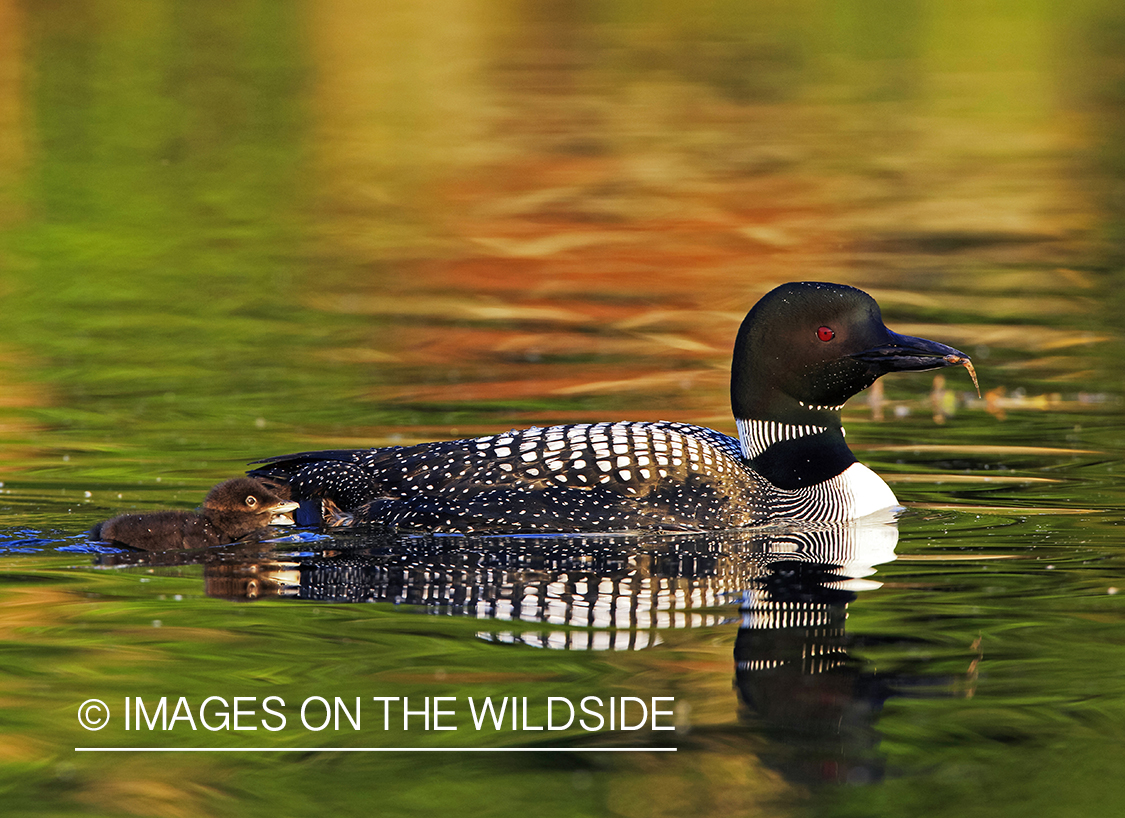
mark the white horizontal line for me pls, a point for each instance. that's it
(375, 749)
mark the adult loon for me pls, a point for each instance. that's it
(231, 510)
(801, 352)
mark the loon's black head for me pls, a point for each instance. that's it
(807, 347)
(245, 504)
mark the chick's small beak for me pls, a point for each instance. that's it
(282, 513)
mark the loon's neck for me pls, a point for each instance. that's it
(813, 466)
(807, 449)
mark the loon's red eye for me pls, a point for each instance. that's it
(826, 333)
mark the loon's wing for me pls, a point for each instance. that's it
(582, 477)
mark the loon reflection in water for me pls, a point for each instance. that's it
(813, 703)
(599, 582)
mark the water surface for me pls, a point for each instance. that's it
(235, 230)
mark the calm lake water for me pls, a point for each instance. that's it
(230, 230)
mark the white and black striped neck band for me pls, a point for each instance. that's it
(756, 436)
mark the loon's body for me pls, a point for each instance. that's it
(232, 510)
(801, 352)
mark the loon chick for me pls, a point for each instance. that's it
(231, 510)
(801, 352)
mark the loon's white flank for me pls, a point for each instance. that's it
(853, 493)
(869, 492)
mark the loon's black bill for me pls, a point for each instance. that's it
(905, 353)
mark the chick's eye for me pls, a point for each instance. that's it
(251, 500)
(826, 333)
